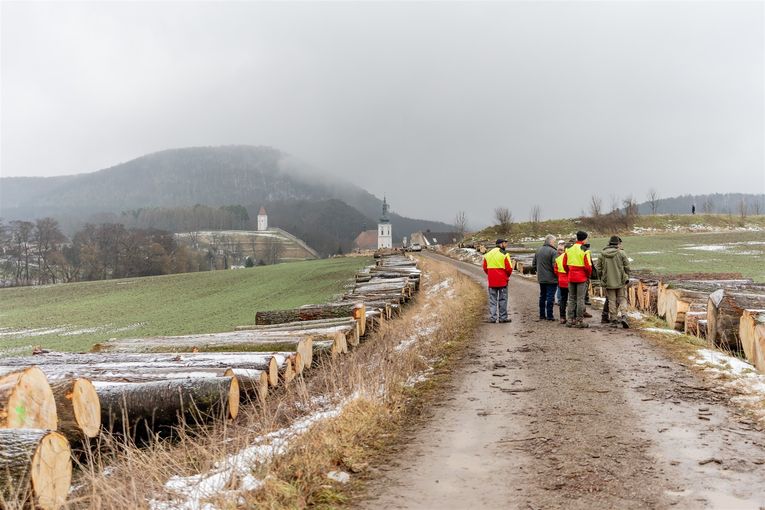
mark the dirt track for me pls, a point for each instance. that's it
(544, 416)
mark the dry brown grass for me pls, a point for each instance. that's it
(374, 382)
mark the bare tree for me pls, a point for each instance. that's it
(536, 214)
(614, 204)
(708, 206)
(756, 207)
(273, 251)
(596, 206)
(630, 206)
(653, 200)
(504, 218)
(743, 209)
(460, 222)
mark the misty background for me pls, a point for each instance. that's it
(439, 106)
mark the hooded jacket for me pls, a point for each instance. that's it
(613, 267)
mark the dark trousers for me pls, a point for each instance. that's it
(546, 300)
(563, 301)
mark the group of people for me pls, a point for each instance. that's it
(564, 271)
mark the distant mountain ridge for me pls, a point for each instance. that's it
(213, 176)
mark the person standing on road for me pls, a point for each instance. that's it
(498, 266)
(544, 265)
(560, 272)
(578, 266)
(614, 269)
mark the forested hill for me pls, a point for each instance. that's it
(719, 203)
(213, 176)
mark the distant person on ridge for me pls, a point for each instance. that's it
(544, 265)
(693, 209)
(578, 266)
(614, 268)
(498, 266)
(560, 272)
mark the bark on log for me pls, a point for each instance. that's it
(750, 318)
(308, 313)
(237, 341)
(130, 408)
(35, 468)
(759, 342)
(26, 400)
(77, 407)
(724, 311)
(303, 325)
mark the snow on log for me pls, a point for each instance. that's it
(279, 341)
(35, 467)
(309, 313)
(77, 407)
(132, 407)
(26, 399)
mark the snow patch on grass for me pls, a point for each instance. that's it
(665, 331)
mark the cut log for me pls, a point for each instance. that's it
(77, 407)
(250, 382)
(750, 318)
(268, 361)
(239, 341)
(678, 302)
(26, 400)
(304, 325)
(35, 468)
(724, 311)
(309, 313)
(759, 349)
(131, 408)
(692, 319)
(702, 326)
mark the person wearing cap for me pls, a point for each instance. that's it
(614, 269)
(544, 266)
(498, 267)
(578, 265)
(561, 247)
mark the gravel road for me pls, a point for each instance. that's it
(545, 416)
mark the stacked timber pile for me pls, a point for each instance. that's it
(138, 386)
(724, 308)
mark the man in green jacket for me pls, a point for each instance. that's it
(613, 267)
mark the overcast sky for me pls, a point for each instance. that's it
(440, 106)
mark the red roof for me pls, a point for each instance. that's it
(262, 211)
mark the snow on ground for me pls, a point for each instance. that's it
(737, 375)
(634, 315)
(444, 286)
(705, 247)
(66, 330)
(648, 253)
(191, 492)
(663, 330)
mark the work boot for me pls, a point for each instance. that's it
(614, 324)
(581, 324)
(587, 315)
(563, 321)
(570, 324)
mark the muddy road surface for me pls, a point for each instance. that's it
(543, 416)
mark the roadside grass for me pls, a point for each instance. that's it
(73, 317)
(376, 388)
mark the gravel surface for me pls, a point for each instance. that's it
(543, 416)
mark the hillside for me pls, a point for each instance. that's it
(723, 203)
(214, 176)
(75, 316)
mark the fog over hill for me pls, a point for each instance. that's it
(214, 176)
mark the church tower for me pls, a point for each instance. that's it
(262, 219)
(384, 229)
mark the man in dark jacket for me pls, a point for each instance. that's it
(614, 269)
(544, 265)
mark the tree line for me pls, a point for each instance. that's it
(38, 253)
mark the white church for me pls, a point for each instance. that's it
(384, 228)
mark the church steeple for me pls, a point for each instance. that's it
(385, 208)
(384, 228)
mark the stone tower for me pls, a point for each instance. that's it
(262, 219)
(384, 229)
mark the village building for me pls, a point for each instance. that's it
(366, 241)
(262, 220)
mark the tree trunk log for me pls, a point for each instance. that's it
(692, 318)
(678, 302)
(26, 400)
(248, 341)
(724, 311)
(130, 408)
(759, 349)
(35, 468)
(750, 318)
(303, 325)
(77, 407)
(308, 313)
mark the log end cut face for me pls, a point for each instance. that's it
(51, 471)
(233, 397)
(31, 404)
(87, 407)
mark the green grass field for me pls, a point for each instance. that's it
(73, 317)
(742, 252)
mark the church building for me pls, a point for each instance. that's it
(384, 229)
(262, 220)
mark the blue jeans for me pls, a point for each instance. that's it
(497, 299)
(547, 300)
